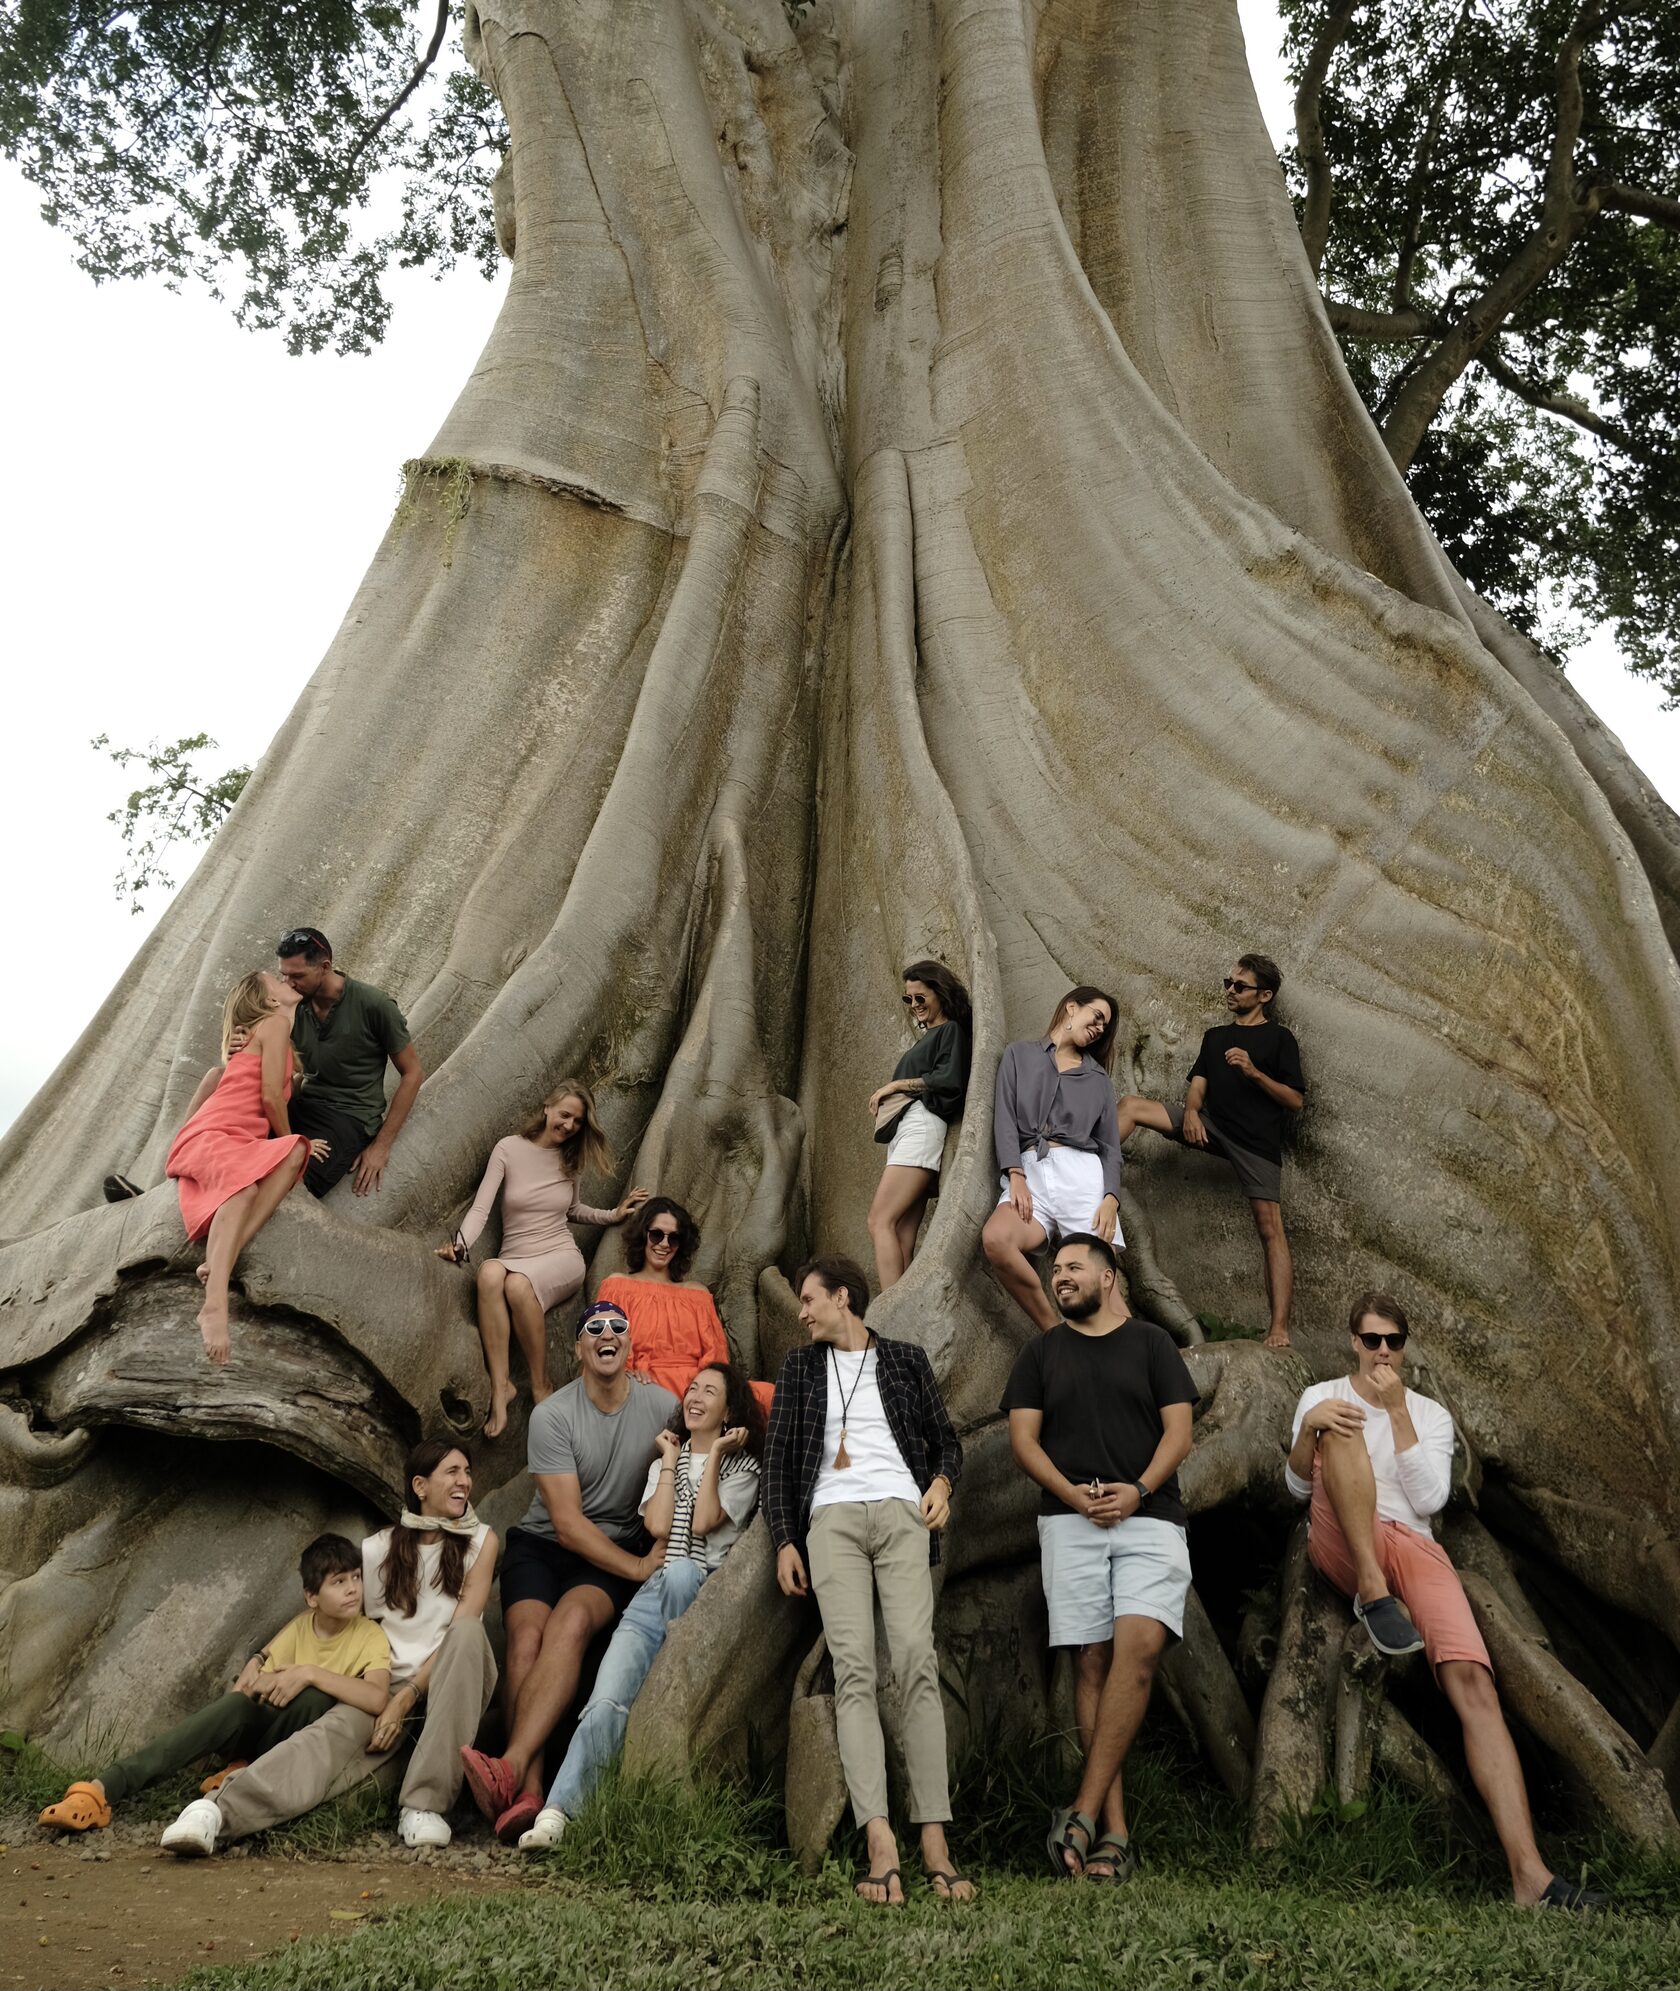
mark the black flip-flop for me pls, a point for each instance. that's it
(941, 1880)
(118, 1189)
(884, 1882)
(1571, 1895)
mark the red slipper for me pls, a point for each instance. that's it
(519, 1817)
(491, 1782)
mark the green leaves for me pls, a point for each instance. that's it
(240, 144)
(178, 808)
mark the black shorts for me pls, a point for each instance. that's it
(323, 1122)
(1261, 1177)
(536, 1570)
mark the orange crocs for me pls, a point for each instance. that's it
(80, 1809)
(215, 1781)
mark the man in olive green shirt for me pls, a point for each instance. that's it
(344, 1033)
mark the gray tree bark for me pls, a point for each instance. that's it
(911, 502)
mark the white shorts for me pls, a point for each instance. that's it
(1067, 1186)
(918, 1140)
(1136, 1569)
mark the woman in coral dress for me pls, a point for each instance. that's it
(675, 1329)
(236, 1157)
(536, 1174)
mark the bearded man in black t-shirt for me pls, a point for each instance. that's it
(1100, 1412)
(1244, 1085)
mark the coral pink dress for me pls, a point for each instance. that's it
(227, 1144)
(674, 1331)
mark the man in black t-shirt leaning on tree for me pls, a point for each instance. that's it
(1100, 1412)
(1244, 1085)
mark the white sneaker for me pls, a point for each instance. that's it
(194, 1832)
(546, 1830)
(423, 1828)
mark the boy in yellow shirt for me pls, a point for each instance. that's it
(327, 1654)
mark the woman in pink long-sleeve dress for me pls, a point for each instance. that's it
(236, 1157)
(536, 1173)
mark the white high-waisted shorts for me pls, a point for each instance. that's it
(1067, 1186)
(918, 1140)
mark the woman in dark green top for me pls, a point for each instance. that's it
(933, 1075)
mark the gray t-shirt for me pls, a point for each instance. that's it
(608, 1454)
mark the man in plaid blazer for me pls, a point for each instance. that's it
(859, 1470)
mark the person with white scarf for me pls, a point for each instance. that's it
(426, 1581)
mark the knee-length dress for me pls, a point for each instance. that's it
(674, 1330)
(228, 1144)
(538, 1203)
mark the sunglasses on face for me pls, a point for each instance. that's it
(662, 1237)
(600, 1327)
(1376, 1341)
(1246, 988)
(914, 1002)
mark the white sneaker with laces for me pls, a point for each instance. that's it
(546, 1830)
(423, 1828)
(194, 1832)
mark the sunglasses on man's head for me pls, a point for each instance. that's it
(1248, 988)
(662, 1237)
(1396, 1340)
(299, 941)
(607, 1324)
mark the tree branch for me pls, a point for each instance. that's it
(1420, 168)
(1309, 133)
(1353, 321)
(1615, 198)
(1561, 219)
(439, 28)
(1549, 403)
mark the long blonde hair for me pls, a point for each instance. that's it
(248, 1002)
(587, 1150)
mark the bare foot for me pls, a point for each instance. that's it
(881, 1890)
(202, 1275)
(501, 1402)
(541, 1392)
(213, 1325)
(1278, 1338)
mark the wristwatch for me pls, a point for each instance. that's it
(1142, 1491)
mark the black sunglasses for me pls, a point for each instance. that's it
(606, 1324)
(1376, 1341)
(301, 940)
(1248, 988)
(915, 1002)
(663, 1237)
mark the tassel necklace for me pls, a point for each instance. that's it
(842, 1459)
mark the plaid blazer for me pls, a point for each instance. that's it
(916, 1415)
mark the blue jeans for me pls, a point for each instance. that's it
(628, 1660)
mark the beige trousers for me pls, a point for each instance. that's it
(858, 1551)
(288, 1782)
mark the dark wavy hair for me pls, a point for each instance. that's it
(327, 1555)
(1103, 1049)
(1384, 1305)
(688, 1237)
(1265, 972)
(953, 997)
(400, 1571)
(740, 1407)
(835, 1272)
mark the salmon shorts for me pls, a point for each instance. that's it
(1419, 1572)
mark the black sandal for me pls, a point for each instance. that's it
(1062, 1822)
(1571, 1895)
(943, 1879)
(884, 1882)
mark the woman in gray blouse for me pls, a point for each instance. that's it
(1058, 1145)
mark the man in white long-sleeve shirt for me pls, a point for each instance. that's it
(1375, 1460)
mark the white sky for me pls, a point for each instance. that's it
(184, 515)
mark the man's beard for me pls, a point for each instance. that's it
(1081, 1306)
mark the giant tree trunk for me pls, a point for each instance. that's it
(911, 503)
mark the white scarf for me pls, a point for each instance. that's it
(426, 1524)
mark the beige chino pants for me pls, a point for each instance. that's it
(288, 1782)
(858, 1551)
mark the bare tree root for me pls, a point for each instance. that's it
(1403, 1755)
(1291, 1758)
(1248, 1397)
(1553, 1705)
(1152, 1291)
(1356, 1719)
(1201, 1685)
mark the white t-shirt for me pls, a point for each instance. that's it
(737, 1491)
(877, 1470)
(1411, 1485)
(415, 1638)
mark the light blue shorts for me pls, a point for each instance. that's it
(1136, 1569)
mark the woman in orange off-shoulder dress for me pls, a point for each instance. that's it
(236, 1157)
(674, 1326)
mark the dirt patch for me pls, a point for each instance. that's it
(135, 1916)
